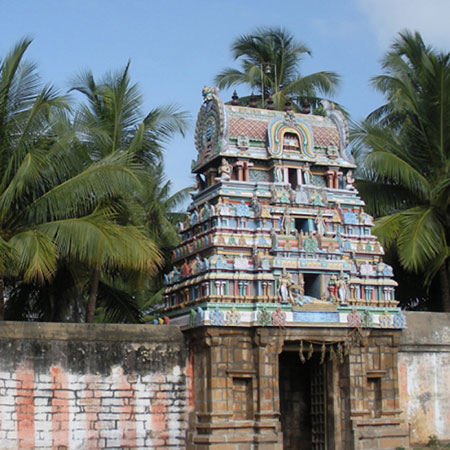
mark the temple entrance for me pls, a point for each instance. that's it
(303, 402)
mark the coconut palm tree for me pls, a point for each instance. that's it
(111, 123)
(270, 59)
(405, 150)
(56, 202)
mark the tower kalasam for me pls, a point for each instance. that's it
(276, 233)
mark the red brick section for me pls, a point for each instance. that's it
(190, 381)
(25, 407)
(60, 407)
(159, 415)
(127, 393)
(92, 409)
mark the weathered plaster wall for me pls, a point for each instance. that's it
(81, 386)
(424, 375)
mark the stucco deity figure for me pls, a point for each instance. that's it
(187, 221)
(225, 170)
(301, 196)
(208, 93)
(283, 289)
(292, 195)
(256, 256)
(199, 266)
(349, 180)
(364, 218)
(195, 217)
(320, 224)
(185, 269)
(222, 208)
(274, 238)
(332, 287)
(286, 222)
(300, 237)
(193, 267)
(307, 175)
(256, 205)
(278, 174)
(341, 289)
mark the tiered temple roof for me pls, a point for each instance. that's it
(276, 233)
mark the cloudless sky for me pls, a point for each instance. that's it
(178, 46)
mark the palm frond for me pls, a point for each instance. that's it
(108, 178)
(116, 305)
(230, 77)
(97, 239)
(36, 255)
(325, 83)
(420, 238)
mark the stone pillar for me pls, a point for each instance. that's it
(330, 174)
(374, 406)
(247, 166)
(268, 348)
(285, 175)
(339, 180)
(239, 165)
(235, 389)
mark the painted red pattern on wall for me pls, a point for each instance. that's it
(159, 414)
(127, 393)
(60, 407)
(91, 406)
(190, 381)
(25, 407)
(80, 393)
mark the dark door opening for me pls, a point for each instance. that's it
(303, 402)
(304, 224)
(312, 285)
(293, 178)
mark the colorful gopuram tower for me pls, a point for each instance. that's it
(277, 256)
(277, 233)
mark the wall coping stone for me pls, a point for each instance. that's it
(426, 329)
(91, 332)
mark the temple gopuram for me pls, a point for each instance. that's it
(281, 289)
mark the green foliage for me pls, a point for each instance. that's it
(434, 442)
(72, 219)
(404, 150)
(111, 123)
(271, 57)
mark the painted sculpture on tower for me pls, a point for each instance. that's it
(276, 223)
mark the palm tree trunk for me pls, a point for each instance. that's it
(95, 279)
(444, 275)
(2, 300)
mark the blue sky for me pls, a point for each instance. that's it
(177, 46)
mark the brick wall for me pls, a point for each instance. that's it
(80, 386)
(424, 375)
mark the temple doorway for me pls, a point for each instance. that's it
(303, 402)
